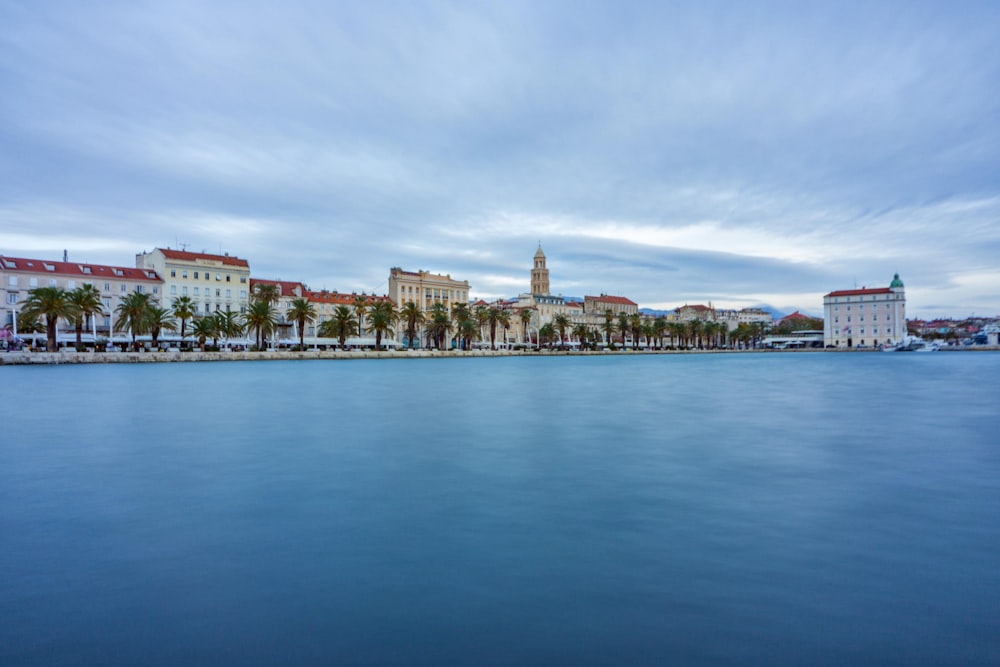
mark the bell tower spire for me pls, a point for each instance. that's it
(539, 274)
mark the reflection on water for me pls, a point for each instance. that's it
(753, 509)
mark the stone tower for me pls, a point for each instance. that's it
(539, 274)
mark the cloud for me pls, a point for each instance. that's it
(766, 152)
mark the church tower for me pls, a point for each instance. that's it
(539, 274)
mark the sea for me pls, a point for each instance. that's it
(810, 508)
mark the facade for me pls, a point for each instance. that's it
(19, 275)
(213, 282)
(865, 317)
(539, 274)
(326, 304)
(598, 305)
(425, 289)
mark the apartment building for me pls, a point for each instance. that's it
(865, 317)
(213, 282)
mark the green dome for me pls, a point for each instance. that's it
(896, 282)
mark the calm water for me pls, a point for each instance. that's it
(838, 509)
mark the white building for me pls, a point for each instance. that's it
(18, 276)
(213, 282)
(425, 289)
(866, 317)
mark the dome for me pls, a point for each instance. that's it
(896, 282)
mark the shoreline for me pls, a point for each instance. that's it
(22, 358)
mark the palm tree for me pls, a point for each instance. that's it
(504, 321)
(582, 333)
(659, 331)
(85, 302)
(414, 317)
(340, 326)
(261, 319)
(609, 326)
(266, 293)
(526, 314)
(440, 324)
(133, 314)
(184, 310)
(495, 316)
(228, 324)
(204, 328)
(695, 329)
(300, 312)
(482, 316)
(546, 333)
(160, 319)
(50, 303)
(381, 317)
(461, 316)
(676, 330)
(623, 327)
(635, 326)
(360, 310)
(561, 323)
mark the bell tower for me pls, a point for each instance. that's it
(539, 274)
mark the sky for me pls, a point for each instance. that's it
(674, 153)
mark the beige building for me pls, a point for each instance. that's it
(213, 282)
(18, 276)
(425, 289)
(865, 317)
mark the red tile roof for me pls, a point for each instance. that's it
(286, 288)
(862, 291)
(797, 316)
(619, 300)
(80, 269)
(192, 256)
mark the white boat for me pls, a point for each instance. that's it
(913, 344)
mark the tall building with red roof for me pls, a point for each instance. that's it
(19, 275)
(866, 317)
(212, 282)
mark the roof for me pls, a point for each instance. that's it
(339, 299)
(698, 307)
(619, 300)
(80, 269)
(797, 316)
(862, 291)
(285, 287)
(186, 256)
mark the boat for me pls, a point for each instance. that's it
(913, 344)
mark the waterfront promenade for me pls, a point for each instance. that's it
(55, 358)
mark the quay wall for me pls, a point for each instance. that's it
(73, 357)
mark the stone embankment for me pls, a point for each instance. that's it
(74, 357)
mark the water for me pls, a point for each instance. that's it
(779, 509)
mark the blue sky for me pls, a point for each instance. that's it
(738, 153)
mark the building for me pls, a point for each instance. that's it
(866, 317)
(18, 276)
(598, 305)
(539, 274)
(213, 282)
(425, 289)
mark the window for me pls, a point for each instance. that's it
(107, 287)
(218, 293)
(11, 297)
(12, 280)
(218, 277)
(70, 284)
(124, 288)
(33, 282)
(52, 282)
(184, 273)
(208, 308)
(243, 279)
(139, 289)
(229, 293)
(107, 302)
(173, 273)
(184, 290)
(228, 277)
(173, 290)
(196, 275)
(156, 290)
(243, 294)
